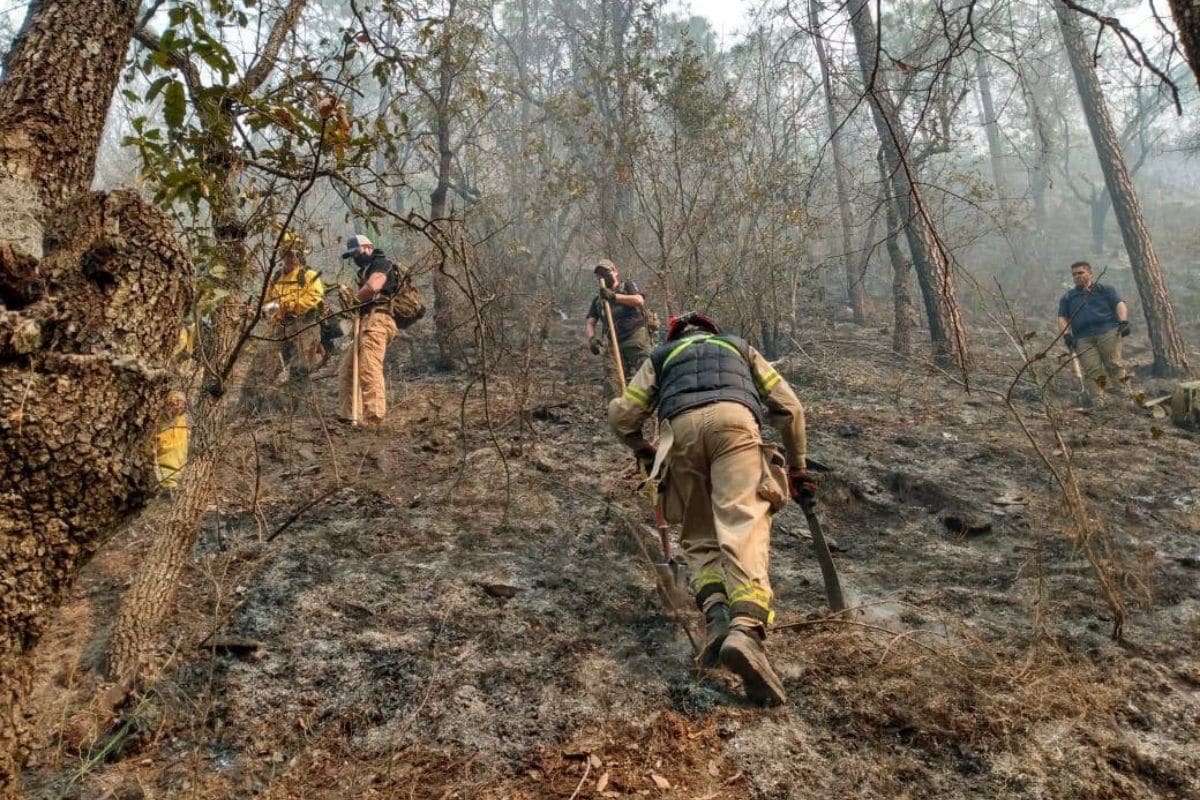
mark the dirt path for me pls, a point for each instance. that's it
(472, 616)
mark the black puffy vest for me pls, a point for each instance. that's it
(701, 369)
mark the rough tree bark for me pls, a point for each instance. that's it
(1170, 357)
(946, 330)
(92, 288)
(1187, 19)
(152, 593)
(855, 293)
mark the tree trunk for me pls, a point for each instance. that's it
(1170, 358)
(946, 331)
(83, 375)
(855, 294)
(447, 296)
(901, 298)
(152, 593)
(1187, 20)
(991, 126)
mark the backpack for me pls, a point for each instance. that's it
(407, 305)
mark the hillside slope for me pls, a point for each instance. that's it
(466, 611)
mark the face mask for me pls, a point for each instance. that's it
(362, 259)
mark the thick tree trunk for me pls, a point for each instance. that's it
(83, 379)
(1170, 358)
(83, 373)
(1187, 20)
(855, 294)
(946, 331)
(58, 84)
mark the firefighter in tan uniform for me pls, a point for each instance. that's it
(712, 393)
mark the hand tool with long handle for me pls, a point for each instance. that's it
(356, 394)
(833, 586)
(612, 337)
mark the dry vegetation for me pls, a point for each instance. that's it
(467, 614)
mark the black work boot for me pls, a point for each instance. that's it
(716, 626)
(744, 655)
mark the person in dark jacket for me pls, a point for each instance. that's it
(712, 393)
(1093, 319)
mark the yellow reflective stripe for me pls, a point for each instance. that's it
(684, 345)
(726, 345)
(707, 577)
(691, 340)
(750, 593)
(637, 396)
(769, 381)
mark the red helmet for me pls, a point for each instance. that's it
(693, 319)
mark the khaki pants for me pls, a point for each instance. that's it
(1100, 358)
(713, 486)
(376, 331)
(298, 349)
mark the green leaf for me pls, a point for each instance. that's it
(157, 87)
(175, 105)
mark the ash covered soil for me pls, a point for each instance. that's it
(465, 608)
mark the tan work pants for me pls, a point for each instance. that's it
(713, 485)
(1100, 358)
(376, 331)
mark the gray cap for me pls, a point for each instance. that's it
(354, 242)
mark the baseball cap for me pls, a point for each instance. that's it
(353, 243)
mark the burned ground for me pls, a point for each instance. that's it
(463, 609)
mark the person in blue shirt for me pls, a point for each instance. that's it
(1093, 319)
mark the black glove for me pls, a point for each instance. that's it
(1123, 327)
(801, 486)
(608, 295)
(594, 345)
(645, 458)
(1069, 341)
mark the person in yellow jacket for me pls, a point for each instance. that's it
(292, 340)
(171, 441)
(712, 394)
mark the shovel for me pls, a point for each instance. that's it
(833, 586)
